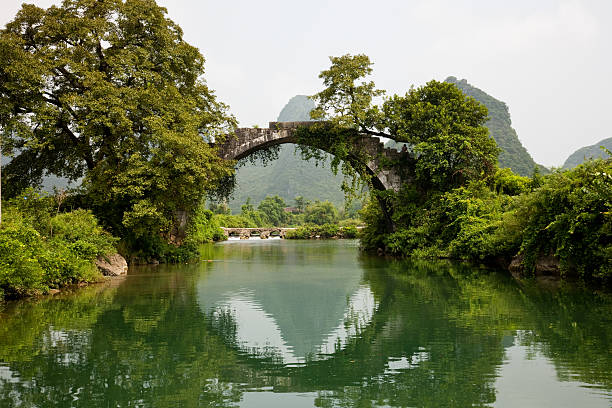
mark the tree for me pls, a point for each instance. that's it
(449, 143)
(300, 203)
(345, 102)
(446, 130)
(247, 207)
(321, 212)
(109, 90)
(272, 209)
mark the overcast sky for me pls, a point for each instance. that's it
(549, 60)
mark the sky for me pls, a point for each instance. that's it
(549, 60)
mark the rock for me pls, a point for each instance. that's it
(548, 265)
(544, 265)
(113, 265)
(516, 265)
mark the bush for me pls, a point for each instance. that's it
(81, 231)
(204, 227)
(311, 231)
(321, 213)
(20, 271)
(349, 231)
(570, 215)
(154, 248)
(39, 251)
(567, 214)
(350, 222)
(506, 182)
(65, 264)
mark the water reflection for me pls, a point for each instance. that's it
(281, 323)
(285, 299)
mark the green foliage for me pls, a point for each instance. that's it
(570, 215)
(272, 209)
(255, 216)
(446, 132)
(20, 271)
(344, 101)
(311, 231)
(567, 216)
(375, 230)
(35, 207)
(505, 181)
(350, 222)
(80, 229)
(146, 249)
(320, 213)
(235, 221)
(349, 231)
(204, 227)
(39, 250)
(111, 91)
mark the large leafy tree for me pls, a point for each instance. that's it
(109, 90)
(449, 143)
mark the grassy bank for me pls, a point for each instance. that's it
(42, 248)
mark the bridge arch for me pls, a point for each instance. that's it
(247, 141)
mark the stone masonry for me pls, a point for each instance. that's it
(249, 140)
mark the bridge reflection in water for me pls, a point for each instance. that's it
(341, 330)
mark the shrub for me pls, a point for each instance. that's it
(66, 264)
(506, 182)
(81, 231)
(570, 215)
(321, 213)
(39, 251)
(313, 231)
(20, 271)
(204, 227)
(349, 231)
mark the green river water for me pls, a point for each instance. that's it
(308, 324)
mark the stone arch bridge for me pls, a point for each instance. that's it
(250, 140)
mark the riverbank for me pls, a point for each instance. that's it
(557, 224)
(325, 231)
(44, 250)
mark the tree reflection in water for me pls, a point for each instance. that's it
(436, 336)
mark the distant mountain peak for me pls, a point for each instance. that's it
(588, 152)
(513, 154)
(297, 109)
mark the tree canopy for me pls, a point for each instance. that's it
(109, 90)
(445, 128)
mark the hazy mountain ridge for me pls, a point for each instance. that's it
(513, 154)
(588, 152)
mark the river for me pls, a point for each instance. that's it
(279, 323)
